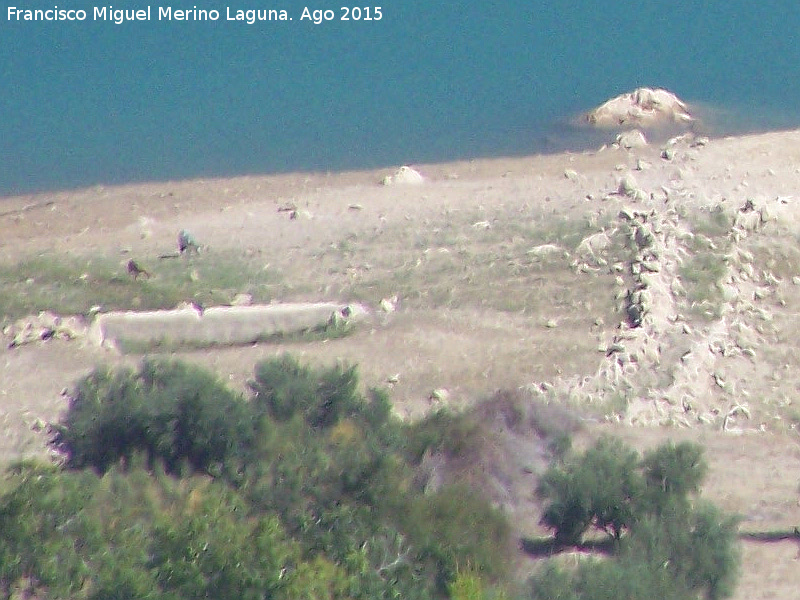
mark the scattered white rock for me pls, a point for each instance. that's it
(544, 250)
(242, 300)
(439, 395)
(630, 188)
(747, 220)
(44, 326)
(404, 176)
(760, 293)
(389, 305)
(592, 245)
(146, 227)
(631, 139)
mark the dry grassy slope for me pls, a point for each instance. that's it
(508, 273)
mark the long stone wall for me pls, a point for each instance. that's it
(219, 325)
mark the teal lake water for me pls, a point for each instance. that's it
(89, 102)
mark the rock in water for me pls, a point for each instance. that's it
(643, 107)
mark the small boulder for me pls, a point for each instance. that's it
(242, 300)
(439, 395)
(404, 176)
(631, 139)
(389, 305)
(630, 188)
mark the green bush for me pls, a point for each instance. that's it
(176, 487)
(697, 545)
(338, 473)
(470, 584)
(602, 579)
(37, 518)
(213, 550)
(138, 535)
(170, 411)
(673, 472)
(282, 388)
(454, 527)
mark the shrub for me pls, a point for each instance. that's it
(213, 550)
(673, 472)
(37, 518)
(600, 579)
(455, 434)
(282, 388)
(315, 497)
(455, 526)
(139, 535)
(698, 546)
(171, 411)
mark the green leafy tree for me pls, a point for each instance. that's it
(681, 557)
(602, 487)
(672, 550)
(569, 512)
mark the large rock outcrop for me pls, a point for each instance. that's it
(643, 107)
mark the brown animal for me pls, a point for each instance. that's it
(134, 270)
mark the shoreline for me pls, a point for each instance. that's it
(439, 169)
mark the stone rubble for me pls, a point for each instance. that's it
(675, 359)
